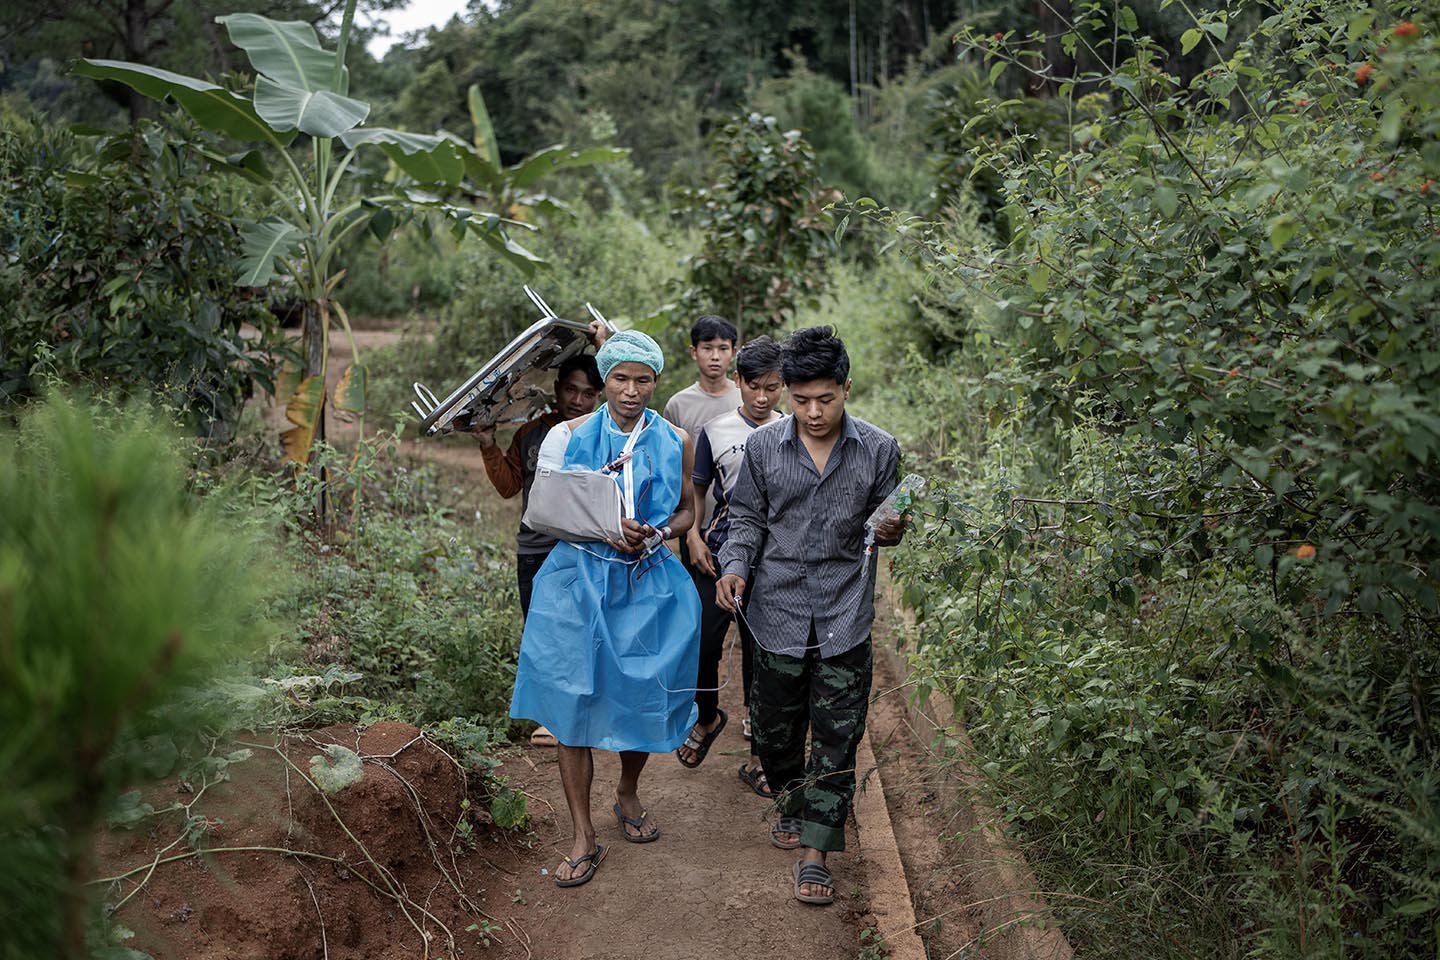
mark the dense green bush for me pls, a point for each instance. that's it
(415, 601)
(118, 270)
(408, 274)
(1184, 586)
(764, 227)
(821, 109)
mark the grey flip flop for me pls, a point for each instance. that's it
(806, 871)
(702, 746)
(592, 858)
(786, 825)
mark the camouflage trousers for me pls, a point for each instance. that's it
(831, 697)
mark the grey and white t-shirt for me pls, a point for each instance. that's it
(719, 452)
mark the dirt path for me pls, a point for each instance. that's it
(712, 887)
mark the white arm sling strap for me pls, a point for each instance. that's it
(579, 505)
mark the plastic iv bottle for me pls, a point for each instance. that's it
(901, 499)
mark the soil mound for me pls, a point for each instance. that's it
(367, 873)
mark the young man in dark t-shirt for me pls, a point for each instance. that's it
(512, 471)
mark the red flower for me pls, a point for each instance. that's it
(1377, 176)
(1362, 76)
(1425, 187)
(1406, 28)
(998, 36)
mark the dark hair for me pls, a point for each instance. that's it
(814, 353)
(581, 361)
(711, 327)
(757, 358)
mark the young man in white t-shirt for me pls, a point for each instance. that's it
(719, 453)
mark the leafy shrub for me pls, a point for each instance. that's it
(1184, 587)
(118, 270)
(765, 233)
(821, 109)
(408, 273)
(417, 604)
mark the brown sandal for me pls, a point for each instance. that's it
(755, 780)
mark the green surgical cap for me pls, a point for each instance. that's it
(629, 346)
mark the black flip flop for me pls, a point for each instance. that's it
(755, 780)
(592, 858)
(703, 747)
(638, 823)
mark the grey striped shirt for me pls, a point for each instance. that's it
(798, 538)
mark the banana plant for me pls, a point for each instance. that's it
(327, 193)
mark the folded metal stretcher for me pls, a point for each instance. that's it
(514, 385)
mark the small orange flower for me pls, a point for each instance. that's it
(1425, 187)
(1305, 551)
(1303, 102)
(1377, 176)
(1406, 28)
(1234, 372)
(1362, 76)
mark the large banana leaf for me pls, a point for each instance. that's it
(261, 243)
(488, 230)
(350, 391)
(213, 107)
(319, 113)
(286, 51)
(537, 165)
(485, 143)
(426, 158)
(306, 407)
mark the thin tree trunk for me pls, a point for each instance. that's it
(137, 21)
(314, 345)
(854, 64)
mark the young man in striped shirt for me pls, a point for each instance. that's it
(796, 567)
